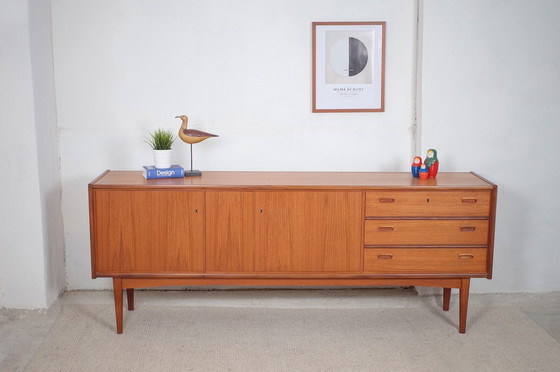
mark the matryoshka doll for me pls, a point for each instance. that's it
(423, 173)
(415, 167)
(432, 163)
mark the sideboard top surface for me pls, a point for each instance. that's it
(299, 180)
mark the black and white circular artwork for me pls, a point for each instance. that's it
(348, 57)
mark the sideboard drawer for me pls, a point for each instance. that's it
(426, 232)
(425, 260)
(428, 203)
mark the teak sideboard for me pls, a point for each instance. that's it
(291, 229)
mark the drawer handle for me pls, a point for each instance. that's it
(466, 256)
(386, 200)
(385, 256)
(467, 228)
(385, 228)
(468, 200)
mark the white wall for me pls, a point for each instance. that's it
(25, 246)
(241, 69)
(488, 101)
(40, 31)
(491, 103)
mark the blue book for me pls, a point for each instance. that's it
(175, 171)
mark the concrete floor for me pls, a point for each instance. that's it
(22, 331)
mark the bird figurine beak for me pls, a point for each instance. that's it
(176, 117)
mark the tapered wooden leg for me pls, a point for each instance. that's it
(446, 298)
(130, 298)
(118, 293)
(463, 304)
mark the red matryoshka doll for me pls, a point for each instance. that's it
(432, 163)
(415, 167)
(423, 173)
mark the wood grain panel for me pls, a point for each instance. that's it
(468, 203)
(425, 260)
(149, 231)
(308, 231)
(426, 232)
(230, 231)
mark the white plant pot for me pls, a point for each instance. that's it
(162, 158)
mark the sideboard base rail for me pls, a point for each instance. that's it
(463, 284)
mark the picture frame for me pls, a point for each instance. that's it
(348, 67)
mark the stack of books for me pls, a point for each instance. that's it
(175, 171)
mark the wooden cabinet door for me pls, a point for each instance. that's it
(153, 231)
(230, 231)
(308, 231)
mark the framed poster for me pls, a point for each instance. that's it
(348, 66)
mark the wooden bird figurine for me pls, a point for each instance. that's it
(191, 136)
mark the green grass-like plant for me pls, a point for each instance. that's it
(161, 139)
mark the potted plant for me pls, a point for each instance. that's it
(161, 140)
